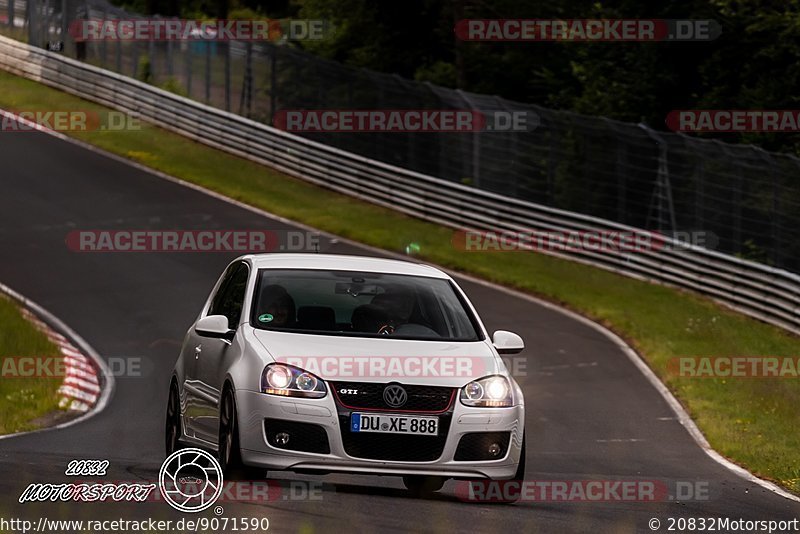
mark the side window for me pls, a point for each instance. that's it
(216, 301)
(229, 300)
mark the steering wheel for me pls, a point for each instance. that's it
(386, 330)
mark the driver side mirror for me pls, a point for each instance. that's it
(507, 342)
(215, 326)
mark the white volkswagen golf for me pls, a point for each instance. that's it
(327, 363)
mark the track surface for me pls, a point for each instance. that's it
(591, 414)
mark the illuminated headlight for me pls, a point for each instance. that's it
(288, 381)
(489, 392)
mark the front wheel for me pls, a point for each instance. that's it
(423, 486)
(230, 453)
(172, 431)
(519, 476)
(509, 490)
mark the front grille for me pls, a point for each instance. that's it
(304, 437)
(369, 396)
(475, 446)
(394, 447)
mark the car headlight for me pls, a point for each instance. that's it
(489, 392)
(288, 381)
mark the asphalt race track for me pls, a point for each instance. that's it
(590, 413)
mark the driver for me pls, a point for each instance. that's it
(397, 303)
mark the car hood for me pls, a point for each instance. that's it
(353, 359)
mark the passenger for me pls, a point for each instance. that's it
(277, 307)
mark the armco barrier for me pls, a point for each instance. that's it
(771, 295)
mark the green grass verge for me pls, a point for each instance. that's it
(751, 421)
(23, 399)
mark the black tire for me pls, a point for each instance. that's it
(519, 476)
(515, 482)
(230, 453)
(172, 427)
(423, 486)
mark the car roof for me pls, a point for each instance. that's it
(342, 262)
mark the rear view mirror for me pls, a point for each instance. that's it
(507, 342)
(215, 326)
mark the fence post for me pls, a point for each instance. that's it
(44, 27)
(247, 83)
(774, 225)
(227, 45)
(103, 42)
(476, 144)
(735, 219)
(502, 103)
(10, 13)
(620, 162)
(273, 81)
(64, 28)
(207, 44)
(170, 69)
(31, 15)
(553, 142)
(151, 61)
(118, 55)
(699, 193)
(189, 62)
(662, 194)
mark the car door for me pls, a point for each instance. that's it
(215, 355)
(192, 348)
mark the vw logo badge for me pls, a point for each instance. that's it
(395, 396)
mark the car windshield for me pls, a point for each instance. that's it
(362, 305)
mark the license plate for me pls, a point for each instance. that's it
(394, 424)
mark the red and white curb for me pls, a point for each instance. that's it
(81, 387)
(88, 388)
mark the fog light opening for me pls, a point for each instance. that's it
(282, 438)
(494, 449)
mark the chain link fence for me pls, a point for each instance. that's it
(748, 198)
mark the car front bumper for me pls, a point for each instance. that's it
(255, 408)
